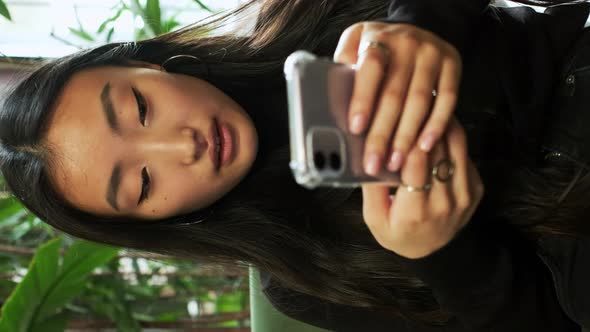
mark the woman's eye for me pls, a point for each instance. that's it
(145, 186)
(141, 106)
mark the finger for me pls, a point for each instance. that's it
(441, 198)
(415, 173)
(370, 70)
(444, 104)
(457, 143)
(348, 45)
(418, 101)
(376, 206)
(395, 86)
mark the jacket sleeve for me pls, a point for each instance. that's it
(491, 279)
(452, 20)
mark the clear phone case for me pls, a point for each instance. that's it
(323, 151)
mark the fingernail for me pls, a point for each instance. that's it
(372, 164)
(357, 123)
(395, 163)
(427, 143)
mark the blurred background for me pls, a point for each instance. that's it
(51, 282)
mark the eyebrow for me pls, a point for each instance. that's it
(113, 188)
(108, 109)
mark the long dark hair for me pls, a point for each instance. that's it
(313, 241)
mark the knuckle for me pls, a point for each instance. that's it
(452, 52)
(417, 157)
(408, 39)
(377, 142)
(421, 93)
(454, 63)
(382, 35)
(393, 95)
(402, 142)
(448, 93)
(430, 50)
(361, 103)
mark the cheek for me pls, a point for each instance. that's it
(185, 192)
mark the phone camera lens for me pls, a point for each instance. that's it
(319, 160)
(335, 161)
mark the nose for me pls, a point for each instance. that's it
(185, 145)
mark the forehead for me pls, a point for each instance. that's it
(76, 133)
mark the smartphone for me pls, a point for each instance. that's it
(323, 151)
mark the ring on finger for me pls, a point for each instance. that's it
(375, 44)
(409, 188)
(450, 169)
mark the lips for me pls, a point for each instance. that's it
(215, 144)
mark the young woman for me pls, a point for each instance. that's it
(120, 145)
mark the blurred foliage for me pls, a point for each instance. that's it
(51, 283)
(79, 284)
(155, 23)
(4, 10)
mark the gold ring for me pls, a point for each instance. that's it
(413, 189)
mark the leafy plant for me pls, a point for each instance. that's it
(151, 13)
(4, 10)
(50, 284)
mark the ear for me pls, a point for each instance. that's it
(145, 64)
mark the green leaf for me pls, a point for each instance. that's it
(153, 16)
(56, 323)
(169, 25)
(22, 228)
(202, 5)
(11, 212)
(110, 35)
(79, 261)
(109, 20)
(81, 33)
(4, 11)
(141, 34)
(48, 285)
(18, 313)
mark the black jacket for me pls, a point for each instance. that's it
(524, 94)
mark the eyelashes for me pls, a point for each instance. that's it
(145, 177)
(141, 106)
(145, 186)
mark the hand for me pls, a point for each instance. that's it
(415, 224)
(397, 81)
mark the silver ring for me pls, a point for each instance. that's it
(375, 44)
(436, 168)
(413, 189)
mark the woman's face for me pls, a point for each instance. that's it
(136, 141)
